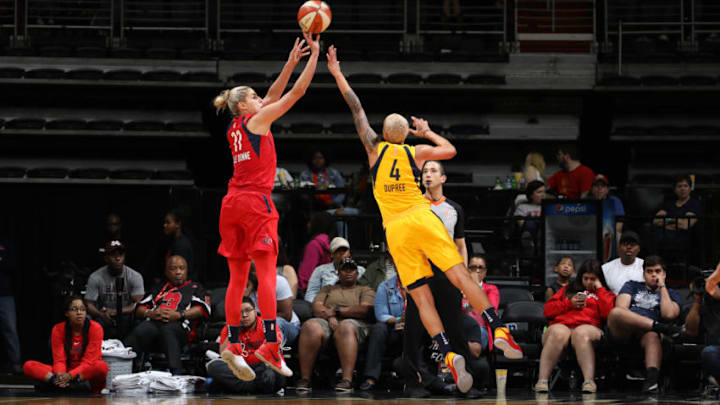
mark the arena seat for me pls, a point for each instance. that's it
(172, 175)
(248, 78)
(652, 178)
(509, 295)
(630, 130)
(12, 172)
(84, 74)
(55, 51)
(105, 125)
(526, 321)
(404, 78)
(293, 77)
(658, 80)
(66, 124)
(443, 78)
(365, 78)
(272, 55)
(614, 80)
(11, 73)
(196, 54)
(162, 76)
(693, 80)
(306, 128)
(26, 51)
(2, 122)
(127, 53)
(199, 77)
(667, 130)
(481, 78)
(123, 74)
(185, 126)
(89, 173)
(342, 128)
(703, 130)
(468, 129)
(91, 52)
(131, 174)
(161, 53)
(45, 73)
(25, 123)
(144, 126)
(277, 128)
(48, 173)
(322, 77)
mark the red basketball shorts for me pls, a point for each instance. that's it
(248, 225)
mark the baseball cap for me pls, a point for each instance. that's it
(601, 178)
(338, 243)
(348, 262)
(629, 236)
(114, 246)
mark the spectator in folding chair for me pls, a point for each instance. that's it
(564, 268)
(643, 312)
(287, 320)
(704, 318)
(478, 338)
(628, 266)
(671, 234)
(243, 373)
(576, 314)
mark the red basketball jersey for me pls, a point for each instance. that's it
(254, 158)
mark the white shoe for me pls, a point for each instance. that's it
(211, 355)
(238, 366)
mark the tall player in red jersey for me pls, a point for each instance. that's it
(248, 218)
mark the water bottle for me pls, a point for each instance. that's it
(508, 183)
(498, 184)
(514, 183)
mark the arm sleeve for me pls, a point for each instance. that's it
(586, 180)
(146, 302)
(93, 289)
(310, 260)
(322, 295)
(201, 299)
(382, 310)
(606, 301)
(93, 351)
(460, 224)
(552, 181)
(558, 304)
(282, 289)
(313, 286)
(57, 340)
(627, 288)
(137, 286)
(367, 296)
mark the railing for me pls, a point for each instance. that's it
(81, 15)
(649, 18)
(555, 17)
(705, 18)
(161, 15)
(483, 17)
(7, 13)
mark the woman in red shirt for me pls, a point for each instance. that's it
(576, 313)
(76, 350)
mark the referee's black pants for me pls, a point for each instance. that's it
(168, 337)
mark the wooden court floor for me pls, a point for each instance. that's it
(328, 398)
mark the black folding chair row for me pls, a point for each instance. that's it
(348, 128)
(377, 78)
(659, 80)
(115, 74)
(94, 173)
(99, 125)
(634, 130)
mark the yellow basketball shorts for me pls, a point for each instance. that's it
(416, 237)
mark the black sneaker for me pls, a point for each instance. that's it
(417, 391)
(668, 329)
(303, 385)
(650, 386)
(367, 386)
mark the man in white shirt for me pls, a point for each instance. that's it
(327, 274)
(627, 267)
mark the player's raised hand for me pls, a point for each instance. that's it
(300, 50)
(313, 43)
(333, 63)
(421, 127)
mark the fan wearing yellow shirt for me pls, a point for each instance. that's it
(414, 234)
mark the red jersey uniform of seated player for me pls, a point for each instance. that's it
(250, 340)
(248, 218)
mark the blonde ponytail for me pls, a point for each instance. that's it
(230, 98)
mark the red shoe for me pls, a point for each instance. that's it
(505, 342)
(456, 364)
(238, 365)
(270, 354)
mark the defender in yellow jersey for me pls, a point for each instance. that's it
(413, 232)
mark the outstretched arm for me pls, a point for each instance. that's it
(260, 122)
(442, 150)
(298, 51)
(368, 137)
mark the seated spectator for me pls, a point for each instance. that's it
(340, 312)
(564, 268)
(611, 203)
(628, 266)
(174, 227)
(171, 311)
(704, 319)
(317, 251)
(478, 338)
(251, 376)
(322, 176)
(576, 314)
(674, 234)
(390, 300)
(643, 312)
(286, 270)
(113, 291)
(76, 350)
(287, 319)
(328, 274)
(534, 168)
(573, 180)
(379, 271)
(535, 193)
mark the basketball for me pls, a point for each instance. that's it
(314, 16)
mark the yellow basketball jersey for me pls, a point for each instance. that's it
(395, 182)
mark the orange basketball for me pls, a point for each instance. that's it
(314, 16)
